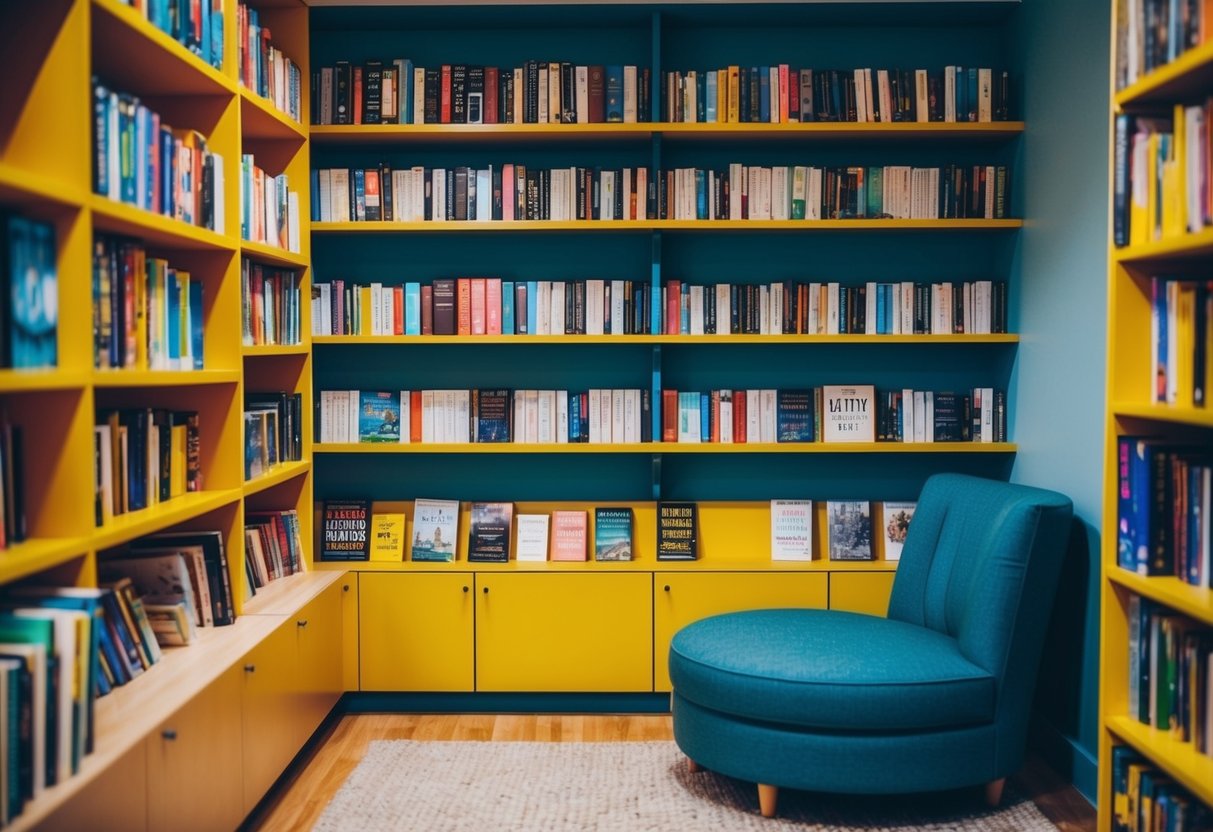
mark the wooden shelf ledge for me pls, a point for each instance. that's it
(667, 448)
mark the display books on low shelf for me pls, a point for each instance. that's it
(270, 304)
(849, 529)
(206, 567)
(269, 209)
(345, 530)
(143, 162)
(490, 532)
(514, 191)
(389, 524)
(896, 517)
(29, 293)
(538, 92)
(613, 530)
(532, 544)
(570, 535)
(264, 68)
(435, 530)
(791, 530)
(782, 93)
(677, 531)
(147, 313)
(143, 457)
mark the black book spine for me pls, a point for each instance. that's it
(372, 92)
(459, 93)
(474, 109)
(433, 92)
(342, 82)
(385, 192)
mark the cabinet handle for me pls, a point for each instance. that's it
(250, 668)
(169, 734)
(465, 589)
(486, 590)
(302, 622)
(345, 588)
(667, 587)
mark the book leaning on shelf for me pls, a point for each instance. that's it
(538, 92)
(29, 293)
(141, 161)
(147, 315)
(179, 567)
(264, 68)
(198, 25)
(514, 191)
(269, 302)
(269, 209)
(780, 93)
(484, 415)
(144, 456)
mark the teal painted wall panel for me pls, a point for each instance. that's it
(1059, 395)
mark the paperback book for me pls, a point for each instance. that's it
(346, 530)
(612, 534)
(850, 529)
(388, 534)
(435, 530)
(792, 530)
(568, 535)
(849, 413)
(532, 537)
(378, 417)
(489, 540)
(897, 517)
(677, 531)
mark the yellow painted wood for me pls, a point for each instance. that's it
(553, 632)
(866, 592)
(349, 631)
(1185, 246)
(319, 632)
(127, 527)
(680, 598)
(120, 218)
(1166, 414)
(25, 187)
(273, 255)
(483, 340)
(194, 761)
(415, 631)
(269, 720)
(591, 567)
(1179, 760)
(115, 799)
(162, 378)
(1172, 592)
(277, 475)
(1191, 71)
(39, 554)
(670, 448)
(663, 225)
(260, 119)
(273, 350)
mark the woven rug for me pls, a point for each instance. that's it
(624, 786)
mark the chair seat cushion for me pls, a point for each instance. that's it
(827, 669)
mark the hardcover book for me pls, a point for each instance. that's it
(346, 527)
(568, 535)
(532, 537)
(378, 417)
(677, 531)
(493, 422)
(849, 527)
(792, 530)
(489, 539)
(848, 413)
(794, 415)
(435, 530)
(896, 518)
(612, 534)
(387, 536)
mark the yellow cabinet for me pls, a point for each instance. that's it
(683, 597)
(114, 800)
(564, 632)
(415, 631)
(861, 592)
(194, 761)
(318, 628)
(270, 695)
(349, 631)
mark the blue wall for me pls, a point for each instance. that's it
(1059, 395)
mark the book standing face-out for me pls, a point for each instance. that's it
(346, 530)
(489, 538)
(896, 519)
(569, 535)
(849, 525)
(612, 534)
(677, 531)
(435, 530)
(532, 537)
(792, 530)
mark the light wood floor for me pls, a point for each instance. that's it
(300, 803)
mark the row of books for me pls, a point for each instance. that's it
(186, 568)
(598, 416)
(833, 413)
(142, 457)
(29, 293)
(264, 68)
(1171, 673)
(273, 431)
(147, 314)
(13, 527)
(780, 94)
(269, 209)
(1164, 508)
(139, 160)
(1145, 798)
(1152, 33)
(543, 92)
(273, 547)
(515, 192)
(493, 306)
(269, 304)
(197, 25)
(1181, 341)
(358, 530)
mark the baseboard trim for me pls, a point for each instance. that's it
(505, 703)
(1067, 757)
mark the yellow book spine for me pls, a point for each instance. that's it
(177, 461)
(734, 94)
(183, 328)
(364, 309)
(1139, 219)
(1179, 161)
(1185, 343)
(1152, 176)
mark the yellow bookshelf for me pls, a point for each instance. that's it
(472, 340)
(606, 226)
(669, 448)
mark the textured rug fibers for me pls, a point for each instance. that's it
(615, 786)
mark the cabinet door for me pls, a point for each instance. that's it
(415, 631)
(318, 627)
(683, 597)
(194, 761)
(116, 799)
(270, 726)
(349, 631)
(562, 632)
(861, 592)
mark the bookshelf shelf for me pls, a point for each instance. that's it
(1191, 600)
(1188, 75)
(664, 225)
(276, 476)
(260, 119)
(162, 378)
(284, 595)
(263, 350)
(1182, 247)
(1198, 416)
(1178, 759)
(272, 255)
(24, 187)
(154, 229)
(593, 566)
(162, 65)
(669, 448)
(38, 554)
(126, 527)
(28, 381)
(479, 340)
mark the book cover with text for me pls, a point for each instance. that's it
(435, 530)
(612, 534)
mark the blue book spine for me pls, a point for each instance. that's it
(406, 84)
(764, 93)
(174, 319)
(532, 306)
(684, 313)
(196, 346)
(412, 309)
(710, 104)
(101, 115)
(614, 93)
(701, 195)
(972, 95)
(705, 417)
(961, 95)
(889, 289)
(207, 45)
(880, 309)
(1139, 488)
(315, 195)
(1159, 289)
(574, 417)
(507, 307)
(217, 37)
(166, 172)
(139, 172)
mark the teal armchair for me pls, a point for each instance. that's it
(935, 696)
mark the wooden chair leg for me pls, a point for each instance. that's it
(693, 766)
(767, 796)
(994, 792)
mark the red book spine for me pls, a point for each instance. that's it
(427, 310)
(739, 415)
(357, 84)
(673, 307)
(463, 306)
(492, 306)
(397, 310)
(669, 415)
(491, 80)
(715, 436)
(478, 306)
(415, 416)
(444, 108)
(784, 105)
